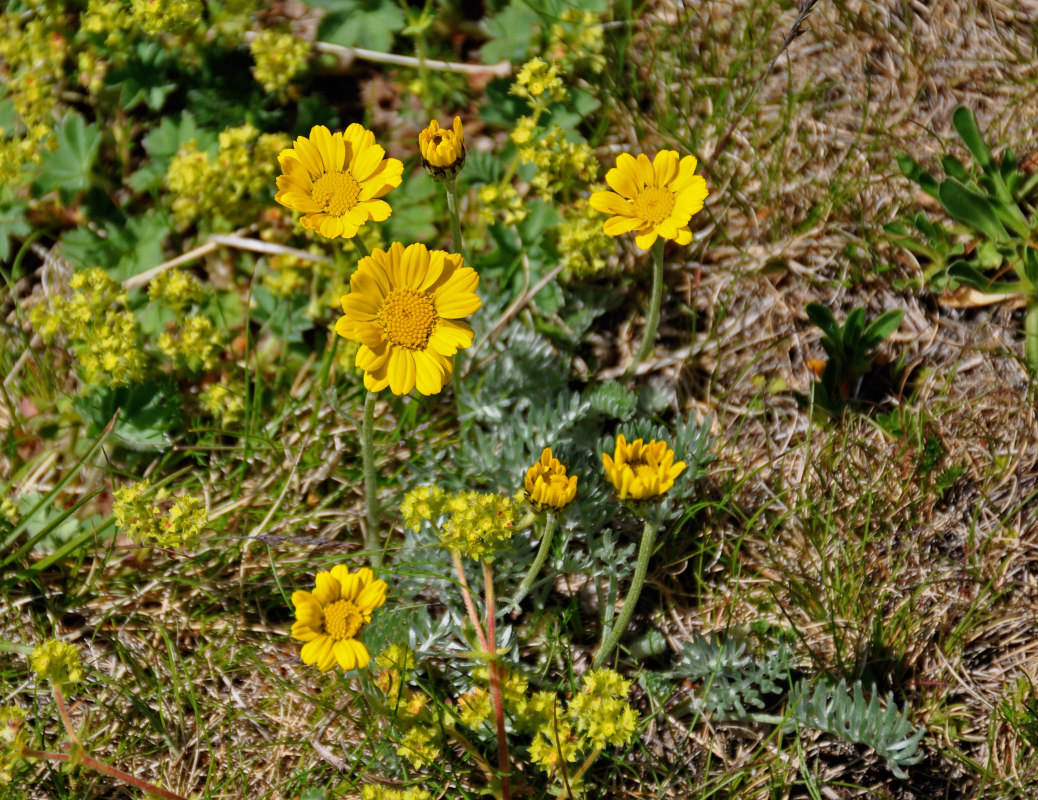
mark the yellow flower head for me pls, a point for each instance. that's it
(329, 618)
(640, 471)
(547, 484)
(405, 307)
(653, 199)
(443, 149)
(336, 180)
(57, 661)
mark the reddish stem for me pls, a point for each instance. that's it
(469, 605)
(106, 769)
(495, 685)
(63, 710)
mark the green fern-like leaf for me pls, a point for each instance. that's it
(846, 714)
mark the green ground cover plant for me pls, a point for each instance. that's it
(525, 398)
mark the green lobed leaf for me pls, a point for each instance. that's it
(68, 168)
(371, 24)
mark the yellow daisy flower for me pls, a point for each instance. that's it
(547, 484)
(335, 179)
(329, 618)
(652, 199)
(405, 307)
(641, 471)
(443, 149)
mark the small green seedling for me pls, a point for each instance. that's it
(851, 350)
(993, 207)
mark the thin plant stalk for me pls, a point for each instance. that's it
(450, 185)
(63, 710)
(466, 594)
(367, 436)
(105, 769)
(1031, 333)
(362, 248)
(494, 672)
(649, 342)
(538, 562)
(611, 638)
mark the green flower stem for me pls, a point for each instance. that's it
(367, 435)
(649, 342)
(587, 763)
(359, 244)
(538, 563)
(450, 185)
(612, 637)
(105, 769)
(494, 670)
(1031, 333)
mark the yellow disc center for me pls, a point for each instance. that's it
(336, 192)
(646, 473)
(654, 205)
(407, 318)
(342, 620)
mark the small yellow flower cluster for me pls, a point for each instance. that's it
(220, 188)
(225, 402)
(8, 510)
(287, 276)
(376, 791)
(539, 82)
(33, 48)
(584, 248)
(560, 163)
(156, 17)
(279, 57)
(103, 17)
(479, 524)
(105, 340)
(421, 745)
(501, 200)
(422, 739)
(174, 522)
(57, 662)
(13, 741)
(195, 345)
(577, 39)
(595, 718)
(177, 289)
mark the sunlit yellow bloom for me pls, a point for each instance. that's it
(443, 149)
(329, 618)
(640, 471)
(547, 484)
(653, 199)
(336, 180)
(405, 307)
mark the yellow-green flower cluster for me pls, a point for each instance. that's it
(176, 288)
(33, 48)
(479, 524)
(601, 713)
(57, 662)
(394, 663)
(421, 745)
(279, 57)
(108, 19)
(220, 188)
(584, 248)
(577, 39)
(13, 741)
(225, 402)
(539, 82)
(376, 791)
(424, 503)
(104, 338)
(195, 345)
(9, 510)
(501, 201)
(155, 17)
(560, 163)
(165, 521)
(596, 718)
